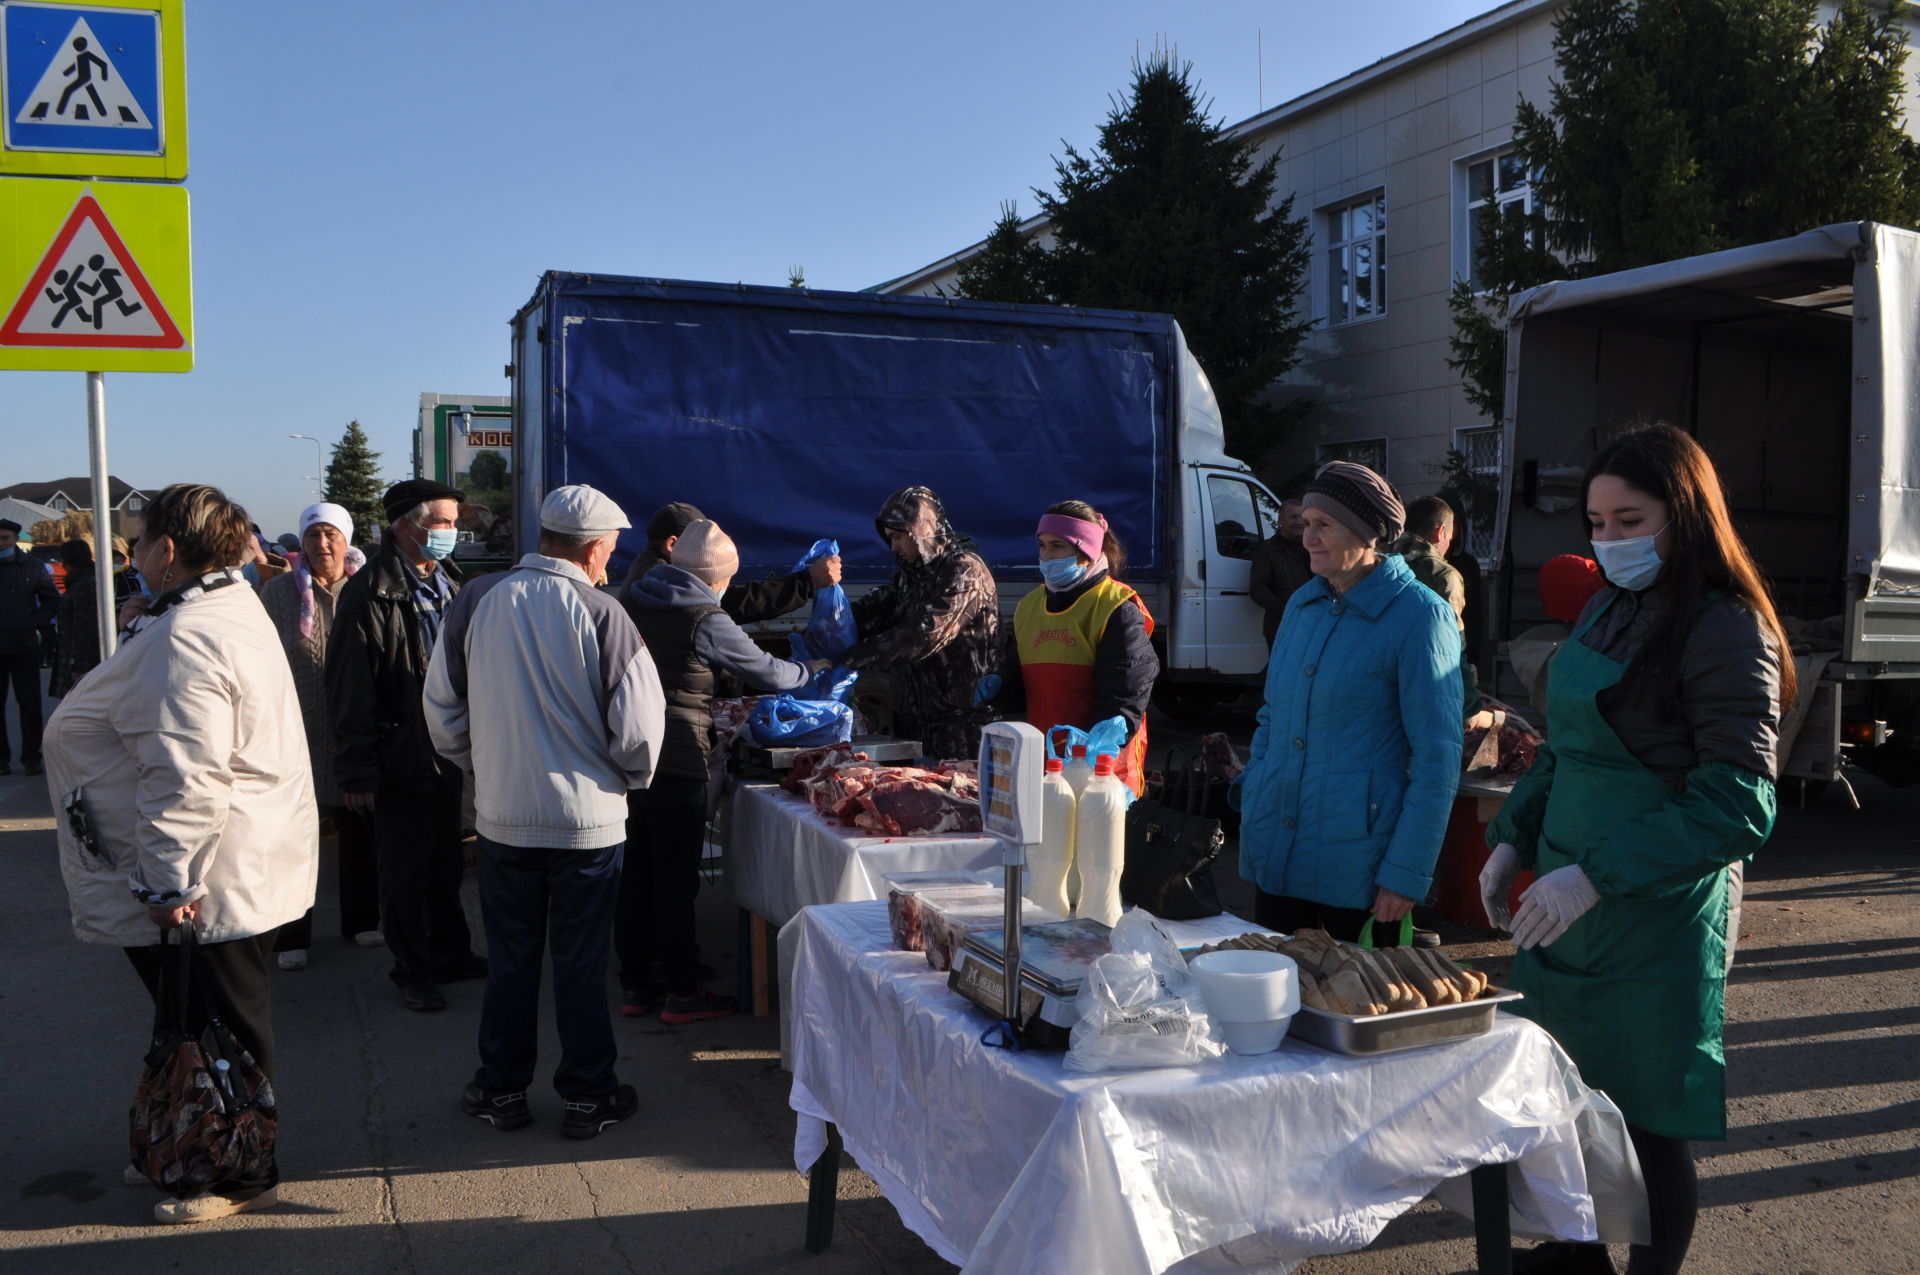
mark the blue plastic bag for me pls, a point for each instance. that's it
(781, 721)
(830, 630)
(834, 683)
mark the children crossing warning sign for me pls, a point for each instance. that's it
(96, 88)
(97, 279)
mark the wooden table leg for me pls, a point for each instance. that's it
(760, 949)
(823, 1185)
(1492, 1237)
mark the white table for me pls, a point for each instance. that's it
(781, 856)
(1007, 1162)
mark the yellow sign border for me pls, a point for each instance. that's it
(153, 221)
(171, 163)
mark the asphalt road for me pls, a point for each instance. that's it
(1821, 1172)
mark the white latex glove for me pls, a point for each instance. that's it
(1551, 904)
(1496, 883)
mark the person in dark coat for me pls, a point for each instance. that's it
(1280, 563)
(677, 609)
(384, 630)
(29, 603)
(934, 628)
(747, 602)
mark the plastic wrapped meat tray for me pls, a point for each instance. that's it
(904, 907)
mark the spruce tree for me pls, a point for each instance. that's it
(1008, 266)
(1171, 213)
(353, 482)
(1690, 126)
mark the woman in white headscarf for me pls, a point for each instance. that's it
(300, 603)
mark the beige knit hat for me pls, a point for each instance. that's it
(705, 551)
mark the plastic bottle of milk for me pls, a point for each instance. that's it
(1099, 842)
(1079, 770)
(1049, 862)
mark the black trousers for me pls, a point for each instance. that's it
(561, 901)
(1289, 915)
(358, 882)
(417, 840)
(666, 827)
(21, 671)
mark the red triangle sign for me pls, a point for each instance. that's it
(88, 293)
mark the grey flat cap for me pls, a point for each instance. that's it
(581, 511)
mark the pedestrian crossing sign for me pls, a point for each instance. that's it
(93, 90)
(95, 277)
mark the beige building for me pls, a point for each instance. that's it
(1394, 165)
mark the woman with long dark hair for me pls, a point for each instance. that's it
(1663, 715)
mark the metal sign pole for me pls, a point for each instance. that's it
(105, 611)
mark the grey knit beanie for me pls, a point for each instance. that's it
(705, 551)
(1358, 499)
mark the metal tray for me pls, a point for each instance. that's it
(761, 762)
(1357, 1034)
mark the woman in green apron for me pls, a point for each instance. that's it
(1663, 713)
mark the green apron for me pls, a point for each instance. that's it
(1634, 989)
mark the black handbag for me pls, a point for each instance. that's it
(1170, 853)
(195, 1122)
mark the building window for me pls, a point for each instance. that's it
(1357, 260)
(1371, 452)
(1481, 447)
(60, 502)
(135, 504)
(1495, 186)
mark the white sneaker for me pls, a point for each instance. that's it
(134, 1177)
(205, 1208)
(370, 938)
(293, 959)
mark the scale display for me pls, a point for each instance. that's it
(1012, 756)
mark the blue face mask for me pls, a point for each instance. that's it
(440, 542)
(1629, 564)
(7, 552)
(1062, 573)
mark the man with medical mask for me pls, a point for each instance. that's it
(28, 602)
(385, 629)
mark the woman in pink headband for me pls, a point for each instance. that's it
(1079, 651)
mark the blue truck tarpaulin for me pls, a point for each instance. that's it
(788, 416)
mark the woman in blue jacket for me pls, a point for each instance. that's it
(1357, 756)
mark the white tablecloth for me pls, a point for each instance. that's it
(782, 856)
(1006, 1162)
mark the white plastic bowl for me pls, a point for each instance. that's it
(1248, 986)
(1255, 1038)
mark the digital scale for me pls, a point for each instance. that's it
(1012, 755)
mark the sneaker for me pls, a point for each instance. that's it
(501, 1108)
(1425, 938)
(589, 1116)
(697, 1006)
(424, 997)
(205, 1208)
(133, 1175)
(292, 959)
(369, 938)
(638, 1003)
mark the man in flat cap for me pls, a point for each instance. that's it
(386, 624)
(28, 604)
(572, 717)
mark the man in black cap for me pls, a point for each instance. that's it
(28, 603)
(385, 628)
(744, 603)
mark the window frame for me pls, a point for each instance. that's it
(1324, 452)
(1481, 549)
(1465, 247)
(1340, 241)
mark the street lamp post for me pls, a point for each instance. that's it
(319, 464)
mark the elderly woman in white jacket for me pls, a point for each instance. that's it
(186, 756)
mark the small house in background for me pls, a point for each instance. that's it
(57, 498)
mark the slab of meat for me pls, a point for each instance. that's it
(900, 805)
(813, 761)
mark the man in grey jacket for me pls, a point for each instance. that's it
(568, 716)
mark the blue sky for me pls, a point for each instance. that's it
(377, 186)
